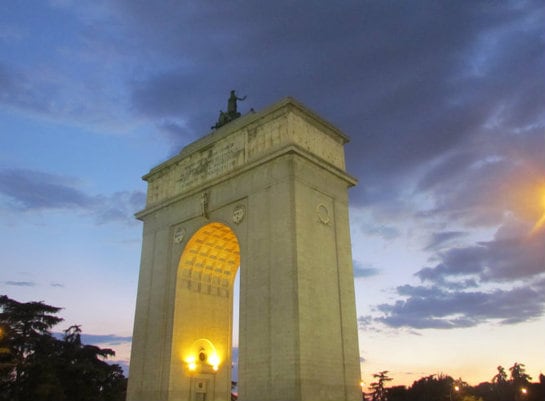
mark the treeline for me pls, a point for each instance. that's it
(37, 366)
(515, 386)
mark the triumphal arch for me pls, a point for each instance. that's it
(265, 193)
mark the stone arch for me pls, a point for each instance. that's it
(275, 183)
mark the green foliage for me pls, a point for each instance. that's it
(35, 366)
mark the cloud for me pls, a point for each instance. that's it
(42, 92)
(20, 283)
(36, 81)
(37, 190)
(177, 62)
(477, 187)
(501, 280)
(364, 271)
(435, 307)
(29, 190)
(443, 95)
(512, 255)
(412, 84)
(110, 339)
(119, 207)
(443, 103)
(441, 239)
(386, 232)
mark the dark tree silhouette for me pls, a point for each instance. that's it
(501, 376)
(516, 387)
(432, 388)
(397, 393)
(26, 331)
(36, 366)
(379, 391)
(501, 386)
(518, 374)
(83, 372)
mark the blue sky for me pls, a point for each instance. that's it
(445, 106)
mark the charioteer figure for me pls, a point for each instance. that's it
(232, 112)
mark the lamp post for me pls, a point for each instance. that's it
(456, 389)
(521, 394)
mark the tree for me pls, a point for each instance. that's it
(518, 375)
(501, 386)
(26, 330)
(36, 366)
(379, 392)
(83, 372)
(501, 376)
(432, 388)
(519, 380)
(397, 393)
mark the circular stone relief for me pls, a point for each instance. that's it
(323, 214)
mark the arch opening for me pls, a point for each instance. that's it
(203, 317)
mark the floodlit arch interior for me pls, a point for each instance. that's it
(211, 259)
(203, 316)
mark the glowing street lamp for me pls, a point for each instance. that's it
(456, 388)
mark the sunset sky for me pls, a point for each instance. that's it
(444, 102)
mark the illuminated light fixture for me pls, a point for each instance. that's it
(191, 364)
(202, 356)
(214, 360)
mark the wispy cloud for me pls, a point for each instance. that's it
(511, 255)
(20, 283)
(434, 307)
(442, 239)
(29, 190)
(361, 270)
(467, 286)
(111, 339)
